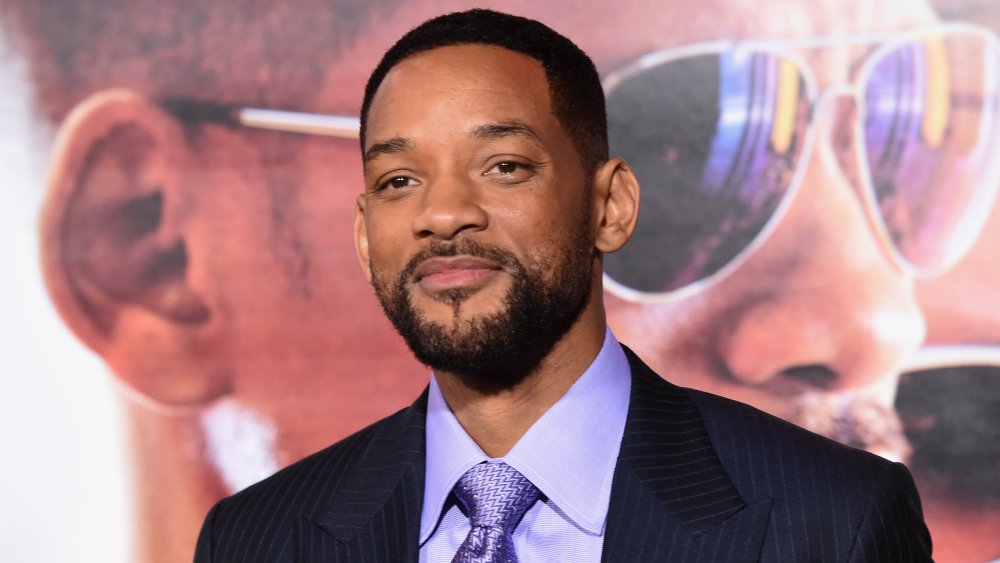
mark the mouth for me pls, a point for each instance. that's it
(450, 273)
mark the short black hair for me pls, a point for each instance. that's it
(574, 85)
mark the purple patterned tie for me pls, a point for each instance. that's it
(495, 496)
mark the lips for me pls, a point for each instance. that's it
(454, 272)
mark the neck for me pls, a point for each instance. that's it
(496, 420)
(173, 485)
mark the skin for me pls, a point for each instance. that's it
(524, 191)
(243, 338)
(975, 319)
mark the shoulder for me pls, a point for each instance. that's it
(307, 478)
(825, 497)
(749, 441)
(737, 430)
(305, 490)
(865, 503)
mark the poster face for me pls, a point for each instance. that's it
(817, 238)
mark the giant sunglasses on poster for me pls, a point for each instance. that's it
(720, 135)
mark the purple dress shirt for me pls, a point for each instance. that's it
(569, 454)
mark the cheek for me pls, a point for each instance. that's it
(680, 341)
(390, 246)
(227, 237)
(668, 335)
(323, 208)
(963, 305)
(292, 251)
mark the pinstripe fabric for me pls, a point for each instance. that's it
(719, 481)
(699, 478)
(358, 500)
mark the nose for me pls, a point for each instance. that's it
(449, 205)
(823, 305)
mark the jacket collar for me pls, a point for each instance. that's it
(381, 495)
(668, 472)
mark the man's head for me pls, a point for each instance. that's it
(483, 138)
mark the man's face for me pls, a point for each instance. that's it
(474, 226)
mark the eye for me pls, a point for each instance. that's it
(505, 167)
(509, 171)
(397, 182)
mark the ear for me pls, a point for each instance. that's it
(361, 238)
(113, 251)
(616, 204)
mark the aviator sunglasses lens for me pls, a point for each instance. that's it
(929, 133)
(714, 140)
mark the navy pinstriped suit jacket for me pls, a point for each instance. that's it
(699, 478)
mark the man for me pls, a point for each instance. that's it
(489, 204)
(215, 403)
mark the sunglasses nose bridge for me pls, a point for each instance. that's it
(836, 128)
(836, 110)
(830, 94)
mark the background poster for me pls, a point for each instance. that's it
(183, 313)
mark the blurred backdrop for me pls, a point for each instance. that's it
(184, 315)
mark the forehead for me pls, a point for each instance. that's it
(459, 86)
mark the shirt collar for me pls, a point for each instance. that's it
(450, 453)
(569, 453)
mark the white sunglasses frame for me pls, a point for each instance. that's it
(942, 356)
(977, 211)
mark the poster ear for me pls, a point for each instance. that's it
(113, 252)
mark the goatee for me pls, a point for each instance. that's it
(495, 351)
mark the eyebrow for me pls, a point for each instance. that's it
(487, 131)
(505, 129)
(389, 146)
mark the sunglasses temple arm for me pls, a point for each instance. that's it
(297, 122)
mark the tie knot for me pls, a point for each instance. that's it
(495, 495)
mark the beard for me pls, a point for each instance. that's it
(495, 351)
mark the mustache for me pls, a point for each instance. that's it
(856, 421)
(465, 247)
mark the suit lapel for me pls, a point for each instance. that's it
(671, 498)
(376, 513)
